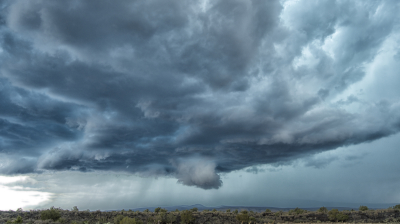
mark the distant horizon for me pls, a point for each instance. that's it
(201, 207)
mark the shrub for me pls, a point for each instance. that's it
(297, 211)
(342, 217)
(127, 220)
(228, 210)
(363, 208)
(170, 218)
(51, 213)
(267, 210)
(396, 207)
(214, 210)
(187, 217)
(235, 212)
(161, 217)
(332, 214)
(118, 219)
(194, 209)
(243, 216)
(18, 220)
(323, 210)
(147, 210)
(75, 209)
(335, 215)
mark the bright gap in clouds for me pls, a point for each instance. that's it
(13, 196)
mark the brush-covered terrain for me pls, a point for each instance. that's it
(162, 216)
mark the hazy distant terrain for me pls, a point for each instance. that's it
(262, 209)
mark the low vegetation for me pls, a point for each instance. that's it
(194, 216)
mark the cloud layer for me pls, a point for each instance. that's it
(192, 89)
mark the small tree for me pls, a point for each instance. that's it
(363, 208)
(396, 207)
(235, 212)
(267, 210)
(228, 210)
(75, 209)
(214, 210)
(187, 217)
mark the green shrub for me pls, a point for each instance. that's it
(194, 209)
(267, 210)
(332, 214)
(51, 213)
(187, 217)
(214, 210)
(228, 210)
(342, 217)
(243, 216)
(18, 220)
(118, 219)
(150, 219)
(127, 220)
(170, 218)
(396, 207)
(363, 208)
(297, 211)
(235, 212)
(335, 215)
(147, 210)
(157, 210)
(323, 210)
(161, 216)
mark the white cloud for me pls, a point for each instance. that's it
(14, 196)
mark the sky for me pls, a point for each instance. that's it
(127, 104)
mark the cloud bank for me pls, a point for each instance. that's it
(192, 89)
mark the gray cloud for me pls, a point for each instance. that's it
(190, 89)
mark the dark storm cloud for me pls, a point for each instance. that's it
(187, 89)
